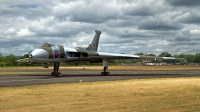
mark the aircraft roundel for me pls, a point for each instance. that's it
(56, 54)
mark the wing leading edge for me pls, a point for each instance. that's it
(115, 56)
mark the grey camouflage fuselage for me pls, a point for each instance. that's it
(48, 53)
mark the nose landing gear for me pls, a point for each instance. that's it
(55, 70)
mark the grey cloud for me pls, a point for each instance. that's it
(141, 9)
(17, 42)
(21, 12)
(183, 2)
(185, 43)
(127, 26)
(83, 11)
(27, 6)
(179, 39)
(190, 17)
(158, 24)
(137, 11)
(152, 34)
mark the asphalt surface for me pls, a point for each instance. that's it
(89, 76)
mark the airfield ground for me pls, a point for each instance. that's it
(40, 70)
(116, 67)
(169, 94)
(151, 94)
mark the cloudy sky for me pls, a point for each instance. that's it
(128, 26)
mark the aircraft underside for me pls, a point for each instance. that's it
(56, 72)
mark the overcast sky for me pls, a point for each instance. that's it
(128, 26)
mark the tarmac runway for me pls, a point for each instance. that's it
(89, 76)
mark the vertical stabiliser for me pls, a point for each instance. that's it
(93, 46)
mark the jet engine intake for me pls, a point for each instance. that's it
(77, 54)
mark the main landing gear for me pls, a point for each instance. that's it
(55, 70)
(105, 64)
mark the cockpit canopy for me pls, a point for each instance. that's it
(47, 44)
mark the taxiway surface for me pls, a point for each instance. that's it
(89, 76)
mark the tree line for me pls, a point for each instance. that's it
(9, 60)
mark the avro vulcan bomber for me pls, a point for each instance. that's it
(50, 53)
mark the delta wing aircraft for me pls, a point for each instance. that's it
(50, 53)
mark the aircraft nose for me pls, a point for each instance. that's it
(39, 53)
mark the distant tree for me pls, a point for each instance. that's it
(181, 55)
(1, 57)
(25, 56)
(190, 58)
(197, 58)
(165, 54)
(139, 53)
(151, 54)
(10, 60)
(1, 60)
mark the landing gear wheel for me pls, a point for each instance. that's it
(105, 64)
(105, 73)
(52, 73)
(58, 74)
(55, 70)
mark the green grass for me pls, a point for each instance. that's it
(167, 94)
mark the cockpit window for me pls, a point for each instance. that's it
(47, 44)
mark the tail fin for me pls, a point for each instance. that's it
(93, 46)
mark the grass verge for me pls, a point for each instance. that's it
(134, 68)
(117, 67)
(22, 73)
(169, 94)
(40, 70)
